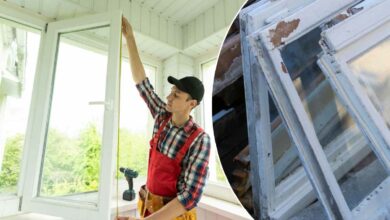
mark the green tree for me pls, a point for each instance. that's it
(61, 157)
(134, 151)
(72, 165)
(10, 170)
(90, 144)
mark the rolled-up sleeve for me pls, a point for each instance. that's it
(195, 172)
(154, 103)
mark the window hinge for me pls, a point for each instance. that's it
(46, 27)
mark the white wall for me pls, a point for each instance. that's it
(178, 65)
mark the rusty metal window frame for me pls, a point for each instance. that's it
(272, 69)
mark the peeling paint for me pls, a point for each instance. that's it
(283, 30)
(284, 67)
(337, 19)
(354, 10)
(341, 17)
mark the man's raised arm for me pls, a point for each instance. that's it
(137, 69)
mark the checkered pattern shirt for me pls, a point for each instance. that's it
(194, 166)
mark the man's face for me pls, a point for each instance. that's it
(179, 101)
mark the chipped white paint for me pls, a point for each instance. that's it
(253, 18)
(358, 26)
(339, 52)
(259, 129)
(266, 43)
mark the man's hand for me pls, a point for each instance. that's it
(137, 69)
(127, 30)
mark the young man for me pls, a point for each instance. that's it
(179, 149)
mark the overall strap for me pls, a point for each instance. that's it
(187, 144)
(157, 135)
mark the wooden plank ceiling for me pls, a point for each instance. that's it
(164, 27)
(179, 11)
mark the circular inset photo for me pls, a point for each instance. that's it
(301, 113)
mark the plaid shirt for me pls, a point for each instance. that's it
(194, 166)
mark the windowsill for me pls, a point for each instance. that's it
(224, 208)
(220, 207)
(207, 203)
(221, 191)
(227, 206)
(217, 206)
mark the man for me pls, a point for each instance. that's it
(179, 149)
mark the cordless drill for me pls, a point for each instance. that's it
(129, 194)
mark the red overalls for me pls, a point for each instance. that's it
(163, 172)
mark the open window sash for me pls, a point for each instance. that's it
(82, 33)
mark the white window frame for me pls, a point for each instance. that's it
(215, 189)
(342, 43)
(254, 18)
(39, 117)
(19, 19)
(212, 162)
(271, 70)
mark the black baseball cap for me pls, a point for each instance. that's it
(190, 85)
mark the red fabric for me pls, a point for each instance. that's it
(163, 172)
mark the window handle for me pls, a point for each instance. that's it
(108, 105)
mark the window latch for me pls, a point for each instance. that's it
(108, 105)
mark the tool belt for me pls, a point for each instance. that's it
(152, 202)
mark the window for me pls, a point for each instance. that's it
(72, 132)
(216, 171)
(372, 71)
(136, 124)
(74, 137)
(217, 185)
(18, 55)
(358, 70)
(332, 141)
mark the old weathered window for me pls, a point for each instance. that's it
(334, 137)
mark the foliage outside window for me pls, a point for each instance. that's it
(15, 101)
(77, 156)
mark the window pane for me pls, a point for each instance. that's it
(285, 154)
(216, 171)
(372, 68)
(74, 137)
(347, 150)
(135, 129)
(18, 57)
